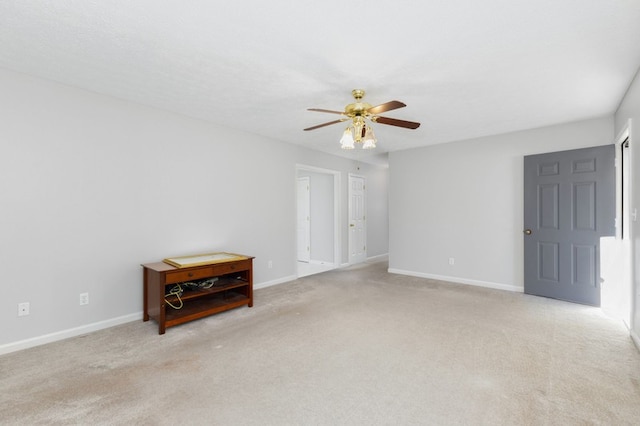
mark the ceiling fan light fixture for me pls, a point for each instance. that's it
(346, 142)
(369, 141)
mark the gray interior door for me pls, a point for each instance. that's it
(569, 203)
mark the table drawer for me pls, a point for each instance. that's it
(231, 267)
(193, 274)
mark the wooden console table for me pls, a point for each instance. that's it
(233, 288)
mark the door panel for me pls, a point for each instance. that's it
(569, 203)
(549, 206)
(584, 195)
(549, 261)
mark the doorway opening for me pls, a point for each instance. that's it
(318, 240)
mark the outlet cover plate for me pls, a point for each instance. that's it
(84, 298)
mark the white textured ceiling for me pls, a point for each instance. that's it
(465, 68)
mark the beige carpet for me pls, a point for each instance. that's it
(355, 346)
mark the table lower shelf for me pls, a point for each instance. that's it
(203, 307)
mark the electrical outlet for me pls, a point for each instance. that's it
(84, 298)
(23, 309)
(452, 261)
(270, 264)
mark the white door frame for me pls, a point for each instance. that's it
(626, 219)
(337, 235)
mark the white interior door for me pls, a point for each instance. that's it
(304, 219)
(357, 220)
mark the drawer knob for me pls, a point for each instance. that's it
(233, 266)
(190, 274)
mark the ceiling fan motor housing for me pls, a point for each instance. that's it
(357, 109)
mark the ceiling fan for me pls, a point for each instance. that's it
(359, 112)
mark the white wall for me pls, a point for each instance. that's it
(629, 109)
(377, 198)
(92, 186)
(464, 200)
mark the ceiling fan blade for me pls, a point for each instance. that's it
(324, 124)
(388, 106)
(396, 122)
(325, 110)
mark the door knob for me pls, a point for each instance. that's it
(527, 232)
(351, 225)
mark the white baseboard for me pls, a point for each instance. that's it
(65, 334)
(78, 331)
(635, 338)
(458, 280)
(84, 329)
(275, 282)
